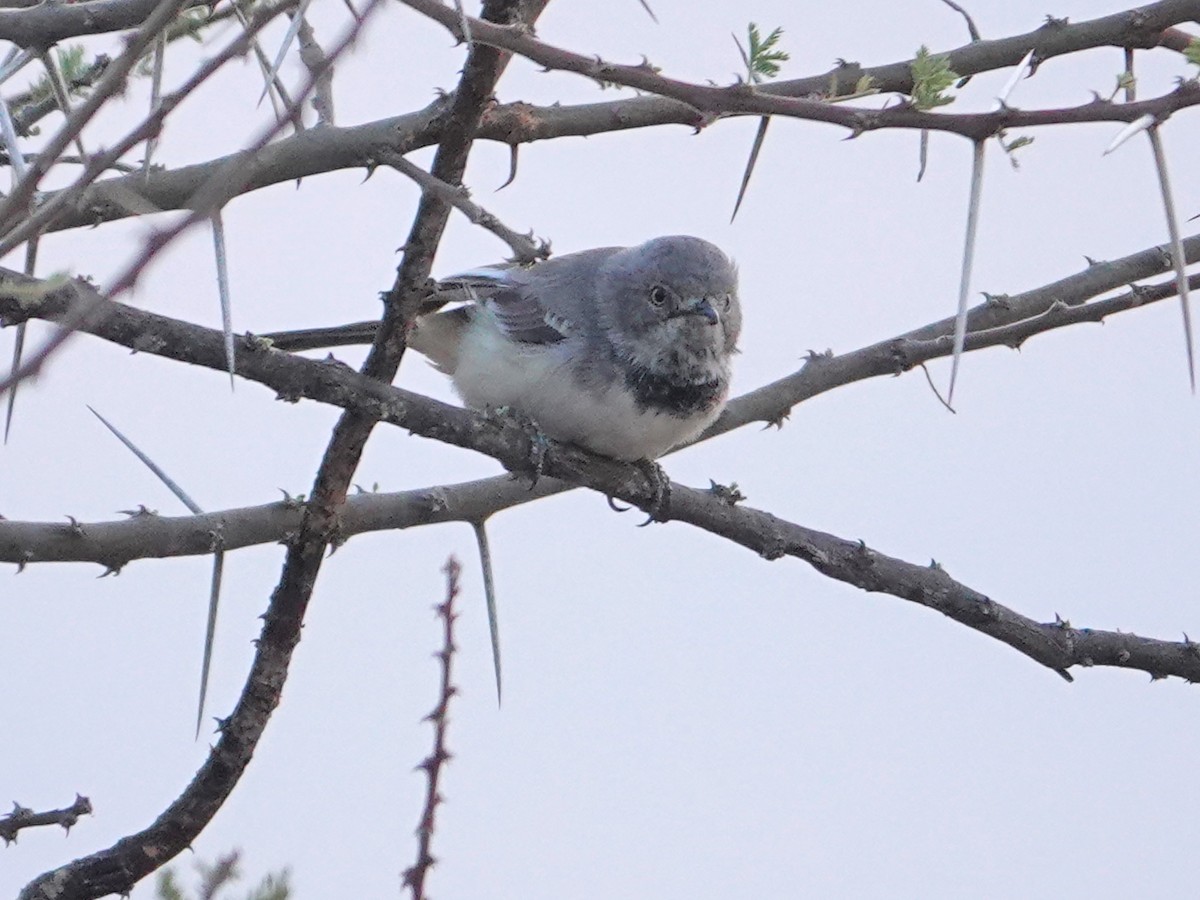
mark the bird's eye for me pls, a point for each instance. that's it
(726, 302)
(658, 295)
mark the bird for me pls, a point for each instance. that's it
(624, 351)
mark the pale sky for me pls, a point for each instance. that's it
(681, 718)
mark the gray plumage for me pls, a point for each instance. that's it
(624, 351)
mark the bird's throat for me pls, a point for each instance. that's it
(657, 392)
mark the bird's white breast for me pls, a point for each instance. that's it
(536, 379)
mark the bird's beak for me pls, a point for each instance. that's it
(700, 306)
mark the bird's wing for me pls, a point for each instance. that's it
(539, 304)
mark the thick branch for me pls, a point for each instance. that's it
(113, 544)
(1002, 321)
(749, 99)
(46, 24)
(330, 149)
(1054, 645)
(119, 867)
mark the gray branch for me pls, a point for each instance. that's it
(332, 149)
(1055, 645)
(147, 536)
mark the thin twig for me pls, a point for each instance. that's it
(313, 58)
(23, 817)
(524, 248)
(971, 29)
(415, 875)
(216, 190)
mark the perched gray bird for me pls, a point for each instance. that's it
(622, 350)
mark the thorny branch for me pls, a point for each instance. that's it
(121, 866)
(368, 399)
(745, 99)
(118, 868)
(331, 149)
(524, 248)
(210, 196)
(414, 876)
(1006, 321)
(23, 817)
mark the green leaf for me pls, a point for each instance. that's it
(932, 77)
(1192, 52)
(865, 85)
(276, 886)
(70, 64)
(167, 887)
(763, 58)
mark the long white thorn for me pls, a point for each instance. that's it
(968, 261)
(1177, 257)
(218, 231)
(1021, 69)
(489, 592)
(1141, 123)
(293, 30)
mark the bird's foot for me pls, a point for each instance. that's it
(660, 487)
(539, 443)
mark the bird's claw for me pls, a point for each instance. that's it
(539, 443)
(660, 486)
(614, 506)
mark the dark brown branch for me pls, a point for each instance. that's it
(331, 149)
(1056, 645)
(118, 868)
(415, 875)
(22, 817)
(746, 99)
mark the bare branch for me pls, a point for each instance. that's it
(314, 59)
(331, 149)
(115, 543)
(22, 817)
(415, 875)
(1055, 645)
(971, 29)
(48, 23)
(710, 102)
(524, 248)
(111, 82)
(212, 194)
